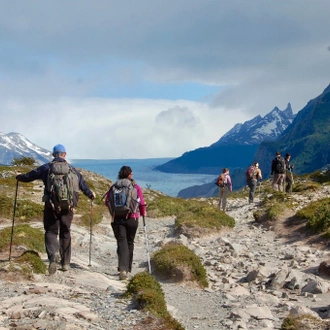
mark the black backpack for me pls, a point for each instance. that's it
(62, 186)
(122, 198)
(279, 165)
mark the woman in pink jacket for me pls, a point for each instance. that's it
(225, 187)
(125, 227)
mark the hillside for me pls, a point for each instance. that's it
(307, 138)
(259, 271)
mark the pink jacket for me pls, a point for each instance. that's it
(142, 206)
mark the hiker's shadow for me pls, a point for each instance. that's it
(76, 266)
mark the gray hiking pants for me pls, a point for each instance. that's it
(252, 185)
(278, 181)
(58, 224)
(223, 192)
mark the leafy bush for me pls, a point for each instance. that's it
(175, 261)
(148, 294)
(29, 161)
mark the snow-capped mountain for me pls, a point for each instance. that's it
(15, 145)
(236, 148)
(259, 129)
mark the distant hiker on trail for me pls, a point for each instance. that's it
(278, 172)
(253, 174)
(289, 174)
(126, 203)
(225, 187)
(58, 177)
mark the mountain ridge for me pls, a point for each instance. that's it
(15, 145)
(238, 145)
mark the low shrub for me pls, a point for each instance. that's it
(189, 212)
(177, 262)
(317, 215)
(29, 161)
(149, 296)
(32, 261)
(305, 321)
(24, 235)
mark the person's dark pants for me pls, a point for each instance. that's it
(125, 230)
(252, 185)
(288, 180)
(54, 224)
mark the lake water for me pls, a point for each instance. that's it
(145, 174)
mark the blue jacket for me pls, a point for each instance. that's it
(41, 173)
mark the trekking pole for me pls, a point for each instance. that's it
(12, 226)
(147, 244)
(259, 191)
(90, 235)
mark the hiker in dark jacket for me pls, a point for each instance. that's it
(252, 180)
(125, 227)
(278, 172)
(56, 222)
(288, 175)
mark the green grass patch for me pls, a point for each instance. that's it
(32, 261)
(148, 294)
(25, 235)
(177, 262)
(204, 215)
(273, 206)
(189, 212)
(305, 185)
(317, 215)
(321, 177)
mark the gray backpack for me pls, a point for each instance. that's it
(122, 198)
(62, 186)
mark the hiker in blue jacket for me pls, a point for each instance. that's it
(56, 222)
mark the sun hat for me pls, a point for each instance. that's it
(59, 148)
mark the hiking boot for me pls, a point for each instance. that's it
(65, 268)
(123, 275)
(53, 260)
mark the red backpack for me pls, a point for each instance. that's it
(221, 182)
(250, 172)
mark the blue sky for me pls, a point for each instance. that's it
(157, 78)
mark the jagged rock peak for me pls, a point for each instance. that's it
(259, 129)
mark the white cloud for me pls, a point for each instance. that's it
(100, 128)
(80, 72)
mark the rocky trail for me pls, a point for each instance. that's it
(257, 275)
